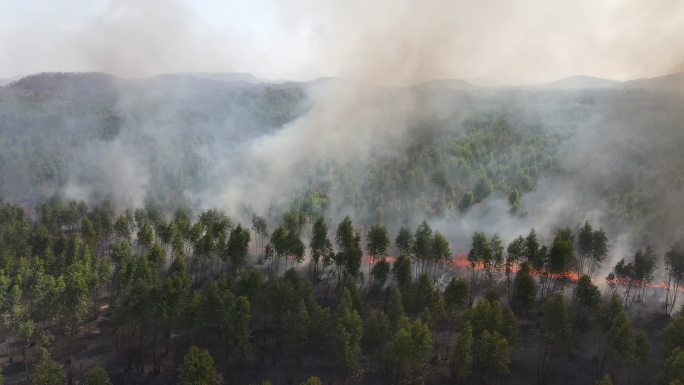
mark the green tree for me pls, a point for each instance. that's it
(297, 324)
(514, 201)
(409, 351)
(350, 252)
(260, 228)
(457, 293)
(74, 305)
(440, 251)
(497, 259)
(47, 371)
(479, 257)
(156, 256)
(456, 299)
(380, 272)
(395, 312)
(486, 315)
(295, 246)
(510, 326)
(145, 236)
(97, 376)
(462, 354)
(401, 271)
(238, 248)
(320, 245)
(524, 289)
(404, 243)
(198, 368)
(617, 329)
(467, 200)
(515, 254)
(277, 248)
(483, 188)
(377, 244)
(491, 358)
(422, 247)
(312, 381)
(533, 251)
(424, 296)
(376, 333)
(557, 337)
(673, 373)
(586, 297)
(238, 327)
(673, 333)
(122, 228)
(641, 352)
(348, 339)
(599, 250)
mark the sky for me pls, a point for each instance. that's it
(380, 41)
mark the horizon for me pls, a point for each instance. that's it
(392, 43)
(482, 83)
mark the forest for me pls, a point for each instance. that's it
(184, 229)
(92, 297)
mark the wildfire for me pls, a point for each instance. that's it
(460, 260)
(371, 259)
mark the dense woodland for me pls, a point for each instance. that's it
(95, 297)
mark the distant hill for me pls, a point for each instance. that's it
(5, 81)
(672, 82)
(220, 76)
(447, 83)
(580, 82)
(67, 82)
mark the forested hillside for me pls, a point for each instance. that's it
(198, 229)
(427, 151)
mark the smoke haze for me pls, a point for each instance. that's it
(245, 147)
(395, 42)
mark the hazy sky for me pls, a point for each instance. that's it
(383, 41)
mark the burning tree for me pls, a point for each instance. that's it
(348, 259)
(423, 248)
(486, 256)
(585, 240)
(674, 262)
(561, 258)
(320, 245)
(592, 248)
(404, 243)
(479, 256)
(599, 250)
(377, 244)
(441, 251)
(515, 253)
(260, 228)
(633, 277)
